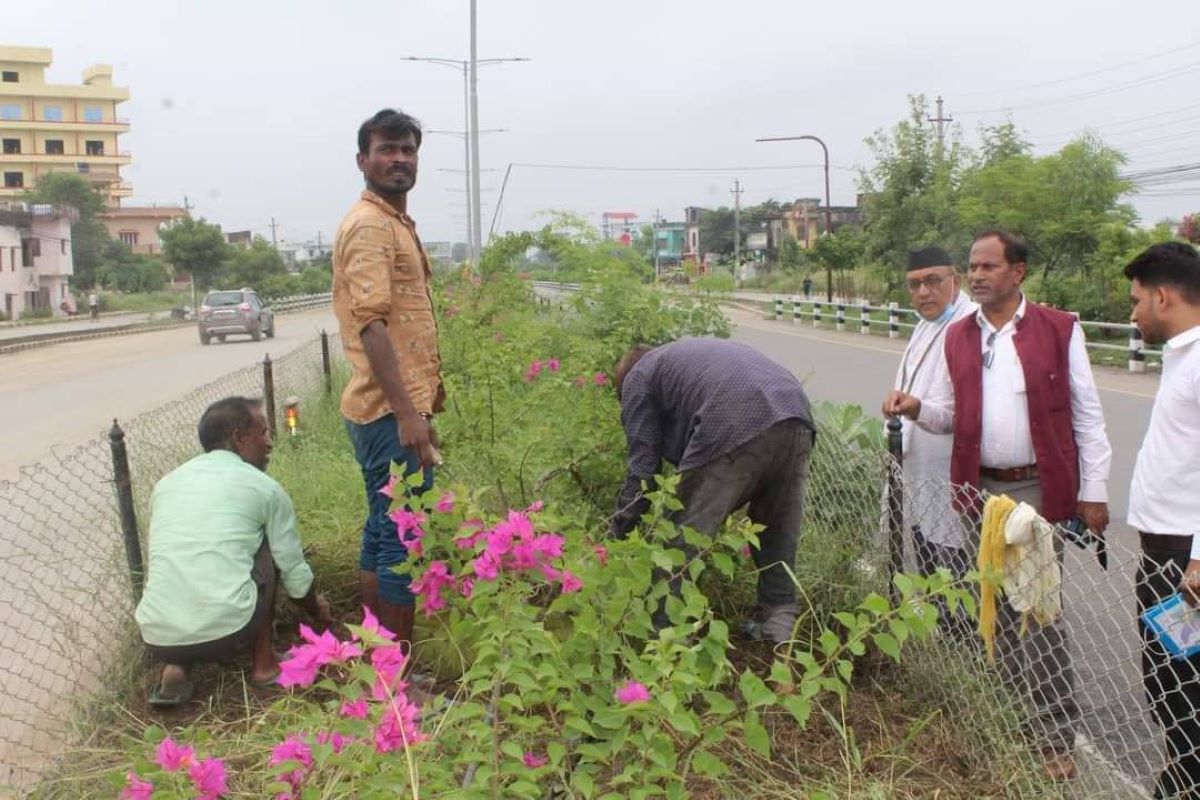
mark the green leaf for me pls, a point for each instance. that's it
(800, 708)
(755, 692)
(719, 703)
(684, 721)
(756, 735)
(876, 604)
(888, 644)
(705, 763)
(584, 783)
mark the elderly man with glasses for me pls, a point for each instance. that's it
(1022, 404)
(935, 289)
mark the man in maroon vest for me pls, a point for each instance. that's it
(1022, 404)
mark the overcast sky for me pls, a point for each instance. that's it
(251, 108)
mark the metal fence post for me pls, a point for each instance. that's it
(778, 309)
(816, 313)
(841, 316)
(796, 312)
(895, 443)
(893, 320)
(325, 363)
(269, 392)
(129, 527)
(865, 327)
(1137, 358)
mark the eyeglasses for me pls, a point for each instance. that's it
(989, 353)
(930, 282)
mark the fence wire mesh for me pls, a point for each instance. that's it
(1075, 684)
(67, 603)
(65, 590)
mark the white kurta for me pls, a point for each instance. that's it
(927, 455)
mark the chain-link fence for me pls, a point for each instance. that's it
(66, 590)
(1074, 685)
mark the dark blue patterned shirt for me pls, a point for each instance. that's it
(694, 400)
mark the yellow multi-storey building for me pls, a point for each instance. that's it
(47, 127)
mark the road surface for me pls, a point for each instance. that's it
(60, 395)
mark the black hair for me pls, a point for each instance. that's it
(1016, 250)
(627, 363)
(388, 122)
(1168, 264)
(223, 418)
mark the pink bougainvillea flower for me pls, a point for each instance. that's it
(535, 507)
(746, 552)
(371, 623)
(356, 710)
(601, 554)
(429, 586)
(486, 566)
(329, 648)
(550, 573)
(600, 379)
(337, 741)
(136, 788)
(570, 583)
(389, 663)
(548, 545)
(173, 757)
(632, 692)
(398, 728)
(300, 668)
(390, 488)
(445, 503)
(467, 587)
(533, 760)
(209, 778)
(407, 521)
(552, 365)
(294, 749)
(468, 542)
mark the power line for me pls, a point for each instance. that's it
(1146, 80)
(1080, 76)
(602, 168)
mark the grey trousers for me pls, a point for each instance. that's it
(1037, 663)
(770, 473)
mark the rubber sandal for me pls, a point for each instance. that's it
(159, 699)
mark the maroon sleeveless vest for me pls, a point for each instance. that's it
(1042, 339)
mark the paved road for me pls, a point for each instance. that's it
(61, 395)
(849, 368)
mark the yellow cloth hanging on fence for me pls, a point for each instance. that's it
(992, 545)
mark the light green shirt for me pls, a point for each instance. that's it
(207, 521)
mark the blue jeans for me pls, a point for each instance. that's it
(376, 448)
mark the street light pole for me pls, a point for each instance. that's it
(828, 206)
(470, 142)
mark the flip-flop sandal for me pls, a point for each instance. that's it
(159, 699)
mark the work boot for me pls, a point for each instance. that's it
(779, 623)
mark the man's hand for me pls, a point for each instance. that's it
(899, 404)
(416, 436)
(1094, 516)
(317, 607)
(1189, 587)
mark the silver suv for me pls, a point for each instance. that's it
(237, 311)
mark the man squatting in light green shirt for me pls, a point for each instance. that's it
(222, 532)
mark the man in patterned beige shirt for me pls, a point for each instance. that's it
(381, 295)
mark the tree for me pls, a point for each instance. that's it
(840, 251)
(197, 248)
(458, 252)
(126, 271)
(911, 192)
(1059, 203)
(88, 234)
(716, 231)
(252, 265)
(791, 255)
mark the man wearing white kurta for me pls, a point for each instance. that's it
(938, 534)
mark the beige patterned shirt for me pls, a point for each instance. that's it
(381, 272)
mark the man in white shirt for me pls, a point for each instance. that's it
(1164, 499)
(1027, 422)
(937, 296)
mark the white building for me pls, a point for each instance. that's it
(36, 262)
